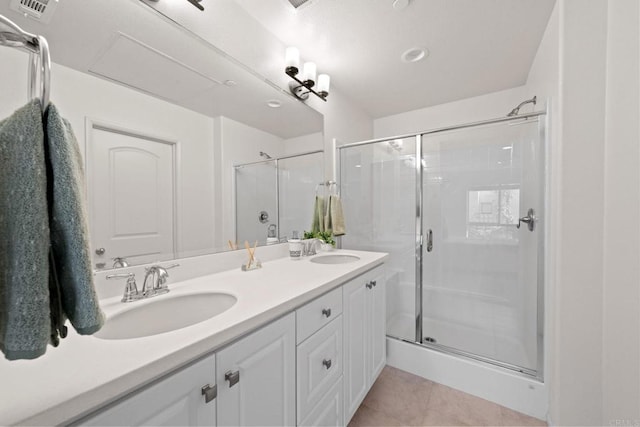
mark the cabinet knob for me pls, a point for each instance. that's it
(374, 283)
(327, 363)
(209, 393)
(369, 285)
(232, 377)
(326, 312)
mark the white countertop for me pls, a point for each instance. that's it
(86, 372)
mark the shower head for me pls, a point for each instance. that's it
(516, 110)
(265, 155)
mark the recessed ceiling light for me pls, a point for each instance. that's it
(414, 54)
(274, 103)
(230, 83)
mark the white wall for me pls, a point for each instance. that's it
(80, 95)
(595, 368)
(304, 144)
(478, 108)
(621, 310)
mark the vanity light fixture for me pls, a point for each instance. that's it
(303, 85)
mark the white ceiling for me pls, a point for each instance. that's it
(475, 46)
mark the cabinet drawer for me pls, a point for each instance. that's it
(329, 411)
(317, 313)
(319, 366)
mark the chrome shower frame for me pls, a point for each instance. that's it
(419, 238)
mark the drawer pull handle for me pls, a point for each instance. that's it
(326, 312)
(232, 377)
(209, 393)
(327, 363)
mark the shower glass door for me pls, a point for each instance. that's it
(378, 188)
(480, 278)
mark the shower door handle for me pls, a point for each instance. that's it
(429, 240)
(530, 220)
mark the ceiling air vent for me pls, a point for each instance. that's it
(297, 3)
(40, 10)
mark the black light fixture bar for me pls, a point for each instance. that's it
(196, 3)
(292, 72)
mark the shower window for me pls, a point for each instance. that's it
(489, 210)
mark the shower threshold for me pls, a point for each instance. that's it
(432, 345)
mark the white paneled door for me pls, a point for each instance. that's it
(131, 196)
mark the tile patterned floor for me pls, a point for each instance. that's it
(399, 398)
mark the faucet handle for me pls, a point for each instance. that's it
(162, 273)
(131, 288)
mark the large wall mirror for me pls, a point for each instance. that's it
(171, 128)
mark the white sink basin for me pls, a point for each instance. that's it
(164, 314)
(334, 259)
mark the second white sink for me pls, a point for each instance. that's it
(334, 259)
(167, 313)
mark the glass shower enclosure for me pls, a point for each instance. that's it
(460, 211)
(276, 195)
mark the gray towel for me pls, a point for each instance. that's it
(24, 236)
(69, 229)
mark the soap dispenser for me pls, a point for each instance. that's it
(295, 246)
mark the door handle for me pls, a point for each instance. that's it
(429, 240)
(530, 220)
(232, 377)
(209, 393)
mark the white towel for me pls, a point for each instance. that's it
(337, 216)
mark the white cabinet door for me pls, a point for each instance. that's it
(176, 400)
(364, 317)
(356, 369)
(257, 384)
(376, 321)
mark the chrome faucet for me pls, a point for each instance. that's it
(155, 280)
(120, 262)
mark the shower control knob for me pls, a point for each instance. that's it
(530, 220)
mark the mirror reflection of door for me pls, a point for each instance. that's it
(131, 197)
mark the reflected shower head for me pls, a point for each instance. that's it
(516, 110)
(265, 155)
